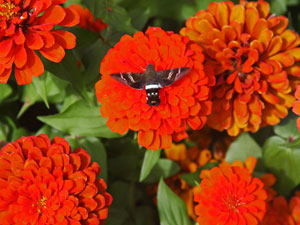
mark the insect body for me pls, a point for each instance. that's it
(151, 80)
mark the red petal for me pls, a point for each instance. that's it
(71, 18)
(53, 15)
(34, 63)
(55, 54)
(4, 75)
(21, 56)
(23, 76)
(5, 47)
(34, 41)
(64, 38)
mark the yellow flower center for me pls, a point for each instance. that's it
(41, 204)
(7, 11)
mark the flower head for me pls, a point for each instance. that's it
(27, 27)
(230, 195)
(278, 213)
(185, 102)
(87, 19)
(43, 182)
(256, 62)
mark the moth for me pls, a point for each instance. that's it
(151, 80)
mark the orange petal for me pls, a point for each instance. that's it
(238, 14)
(284, 58)
(222, 14)
(252, 17)
(145, 138)
(274, 46)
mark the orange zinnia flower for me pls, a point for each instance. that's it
(87, 19)
(26, 27)
(187, 101)
(296, 106)
(256, 63)
(43, 182)
(230, 195)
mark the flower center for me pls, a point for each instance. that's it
(232, 203)
(41, 204)
(7, 11)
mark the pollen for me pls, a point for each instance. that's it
(41, 204)
(7, 11)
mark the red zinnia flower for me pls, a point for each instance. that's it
(26, 27)
(187, 101)
(43, 182)
(278, 213)
(87, 19)
(229, 195)
(256, 61)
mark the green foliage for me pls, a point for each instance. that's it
(80, 119)
(282, 159)
(243, 147)
(150, 159)
(171, 208)
(163, 168)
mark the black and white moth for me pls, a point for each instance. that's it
(152, 80)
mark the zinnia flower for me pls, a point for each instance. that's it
(43, 182)
(187, 101)
(230, 195)
(256, 62)
(87, 19)
(26, 27)
(278, 213)
(296, 106)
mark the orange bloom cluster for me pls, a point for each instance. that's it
(87, 19)
(296, 106)
(26, 27)
(256, 62)
(43, 182)
(230, 195)
(187, 101)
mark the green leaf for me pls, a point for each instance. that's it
(97, 7)
(118, 18)
(287, 127)
(242, 148)
(203, 4)
(150, 159)
(172, 209)
(5, 91)
(68, 70)
(91, 58)
(278, 7)
(283, 162)
(80, 119)
(97, 151)
(39, 84)
(163, 168)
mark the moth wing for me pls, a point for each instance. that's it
(168, 77)
(133, 80)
